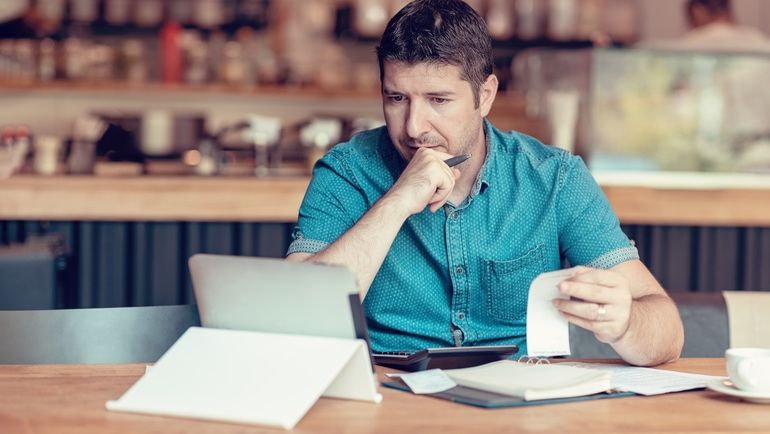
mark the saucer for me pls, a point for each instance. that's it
(727, 387)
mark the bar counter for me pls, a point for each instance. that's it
(649, 199)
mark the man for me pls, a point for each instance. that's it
(445, 256)
(713, 28)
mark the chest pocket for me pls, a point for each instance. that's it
(507, 284)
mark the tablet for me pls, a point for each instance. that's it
(444, 358)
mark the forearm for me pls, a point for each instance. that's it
(364, 246)
(654, 335)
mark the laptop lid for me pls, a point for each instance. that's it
(277, 296)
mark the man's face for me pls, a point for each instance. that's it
(427, 105)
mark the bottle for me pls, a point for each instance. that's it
(529, 22)
(117, 12)
(562, 19)
(148, 13)
(46, 66)
(500, 19)
(171, 54)
(209, 157)
(84, 11)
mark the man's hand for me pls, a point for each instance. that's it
(601, 302)
(426, 181)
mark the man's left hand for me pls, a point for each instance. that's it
(600, 302)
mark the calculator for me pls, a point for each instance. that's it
(444, 358)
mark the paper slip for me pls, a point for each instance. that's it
(648, 381)
(547, 331)
(430, 381)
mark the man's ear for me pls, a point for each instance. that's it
(487, 94)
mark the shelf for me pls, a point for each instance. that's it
(508, 112)
(151, 198)
(224, 89)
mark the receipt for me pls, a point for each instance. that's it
(547, 331)
(430, 381)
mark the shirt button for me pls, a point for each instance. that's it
(460, 315)
(459, 270)
(454, 215)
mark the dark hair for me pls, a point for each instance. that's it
(444, 32)
(713, 6)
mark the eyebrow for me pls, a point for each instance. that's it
(440, 94)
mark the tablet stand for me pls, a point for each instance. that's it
(250, 377)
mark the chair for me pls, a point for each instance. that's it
(706, 330)
(29, 273)
(106, 335)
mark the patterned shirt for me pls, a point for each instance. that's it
(461, 276)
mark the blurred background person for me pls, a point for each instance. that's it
(713, 28)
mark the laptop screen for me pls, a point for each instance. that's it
(277, 296)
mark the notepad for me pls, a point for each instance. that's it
(531, 381)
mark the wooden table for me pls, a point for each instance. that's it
(70, 399)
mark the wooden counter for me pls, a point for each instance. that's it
(692, 200)
(150, 198)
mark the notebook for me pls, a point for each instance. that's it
(508, 383)
(532, 381)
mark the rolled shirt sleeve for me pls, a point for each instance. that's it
(589, 231)
(332, 205)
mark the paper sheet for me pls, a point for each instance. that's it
(648, 381)
(430, 381)
(547, 331)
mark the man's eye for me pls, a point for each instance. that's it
(440, 100)
(396, 98)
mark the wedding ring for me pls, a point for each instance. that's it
(601, 310)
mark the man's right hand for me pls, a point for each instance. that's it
(426, 181)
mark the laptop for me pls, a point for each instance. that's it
(277, 296)
(303, 298)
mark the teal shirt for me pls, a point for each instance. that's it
(461, 276)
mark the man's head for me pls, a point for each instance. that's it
(704, 12)
(435, 61)
(441, 32)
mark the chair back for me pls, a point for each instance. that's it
(706, 331)
(85, 336)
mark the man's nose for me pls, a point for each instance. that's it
(417, 123)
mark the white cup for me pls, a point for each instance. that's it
(749, 368)
(46, 159)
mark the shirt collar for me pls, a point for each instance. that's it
(482, 179)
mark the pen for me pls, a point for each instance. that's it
(454, 161)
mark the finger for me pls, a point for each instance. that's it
(580, 322)
(444, 186)
(603, 331)
(587, 311)
(580, 269)
(439, 199)
(432, 154)
(589, 292)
